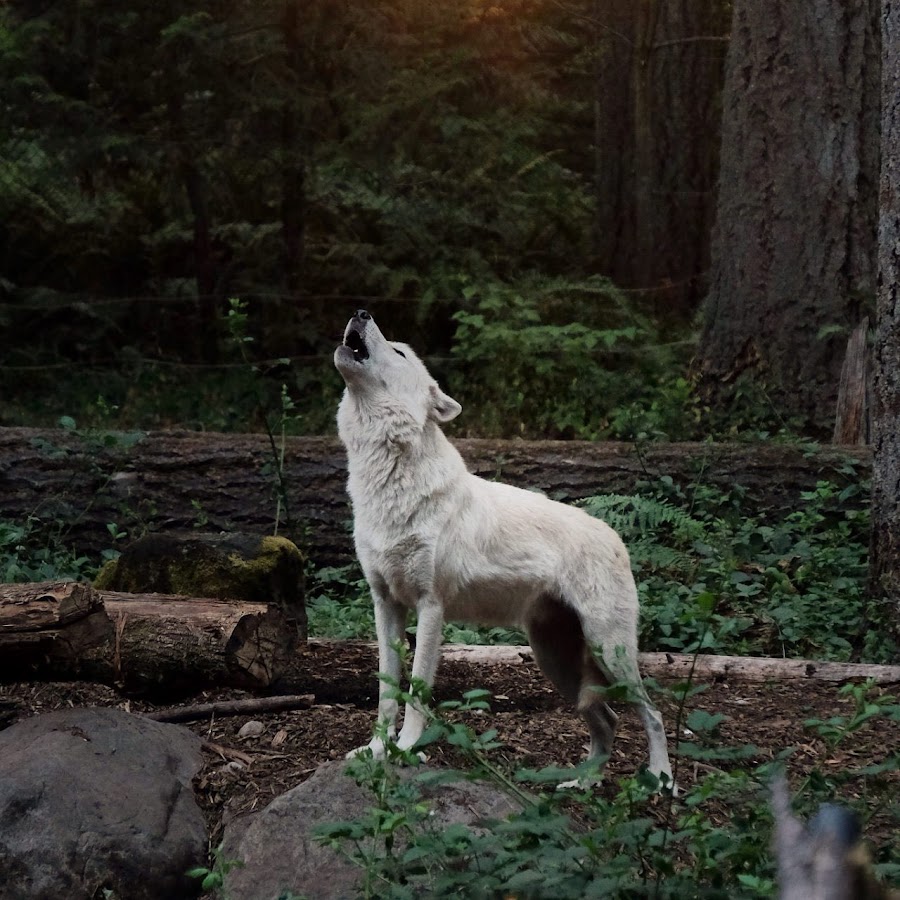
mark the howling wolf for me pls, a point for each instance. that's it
(433, 538)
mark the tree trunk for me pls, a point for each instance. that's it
(196, 193)
(172, 481)
(647, 17)
(147, 642)
(885, 555)
(292, 184)
(793, 266)
(655, 153)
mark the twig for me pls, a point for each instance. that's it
(232, 708)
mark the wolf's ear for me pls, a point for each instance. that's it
(443, 407)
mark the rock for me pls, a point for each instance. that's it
(280, 856)
(95, 800)
(253, 728)
(235, 566)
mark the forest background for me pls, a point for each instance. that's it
(523, 191)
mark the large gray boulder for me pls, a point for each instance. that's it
(279, 855)
(94, 800)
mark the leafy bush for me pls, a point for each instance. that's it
(29, 552)
(559, 359)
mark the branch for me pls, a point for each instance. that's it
(232, 708)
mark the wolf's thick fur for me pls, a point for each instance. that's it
(434, 538)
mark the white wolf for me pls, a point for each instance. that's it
(433, 538)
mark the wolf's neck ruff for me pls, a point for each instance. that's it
(389, 420)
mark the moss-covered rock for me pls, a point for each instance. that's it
(238, 566)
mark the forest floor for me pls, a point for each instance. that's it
(535, 727)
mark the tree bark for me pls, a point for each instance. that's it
(793, 265)
(885, 555)
(147, 642)
(167, 481)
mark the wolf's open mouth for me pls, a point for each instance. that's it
(355, 342)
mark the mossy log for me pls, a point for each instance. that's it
(248, 567)
(150, 643)
(175, 480)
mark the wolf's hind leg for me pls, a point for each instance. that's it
(561, 652)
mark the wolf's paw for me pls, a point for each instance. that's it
(380, 750)
(667, 784)
(376, 746)
(585, 783)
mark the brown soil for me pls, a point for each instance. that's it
(535, 726)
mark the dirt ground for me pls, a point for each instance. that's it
(535, 726)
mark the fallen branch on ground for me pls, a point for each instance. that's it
(221, 708)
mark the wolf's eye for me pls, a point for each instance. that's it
(400, 352)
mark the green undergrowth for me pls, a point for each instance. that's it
(713, 575)
(622, 839)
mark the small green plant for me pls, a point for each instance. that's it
(276, 426)
(213, 876)
(794, 586)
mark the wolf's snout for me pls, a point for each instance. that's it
(362, 314)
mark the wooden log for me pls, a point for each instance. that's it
(851, 420)
(140, 642)
(37, 608)
(165, 481)
(706, 667)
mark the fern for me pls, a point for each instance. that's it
(658, 533)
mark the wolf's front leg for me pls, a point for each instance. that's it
(390, 620)
(429, 632)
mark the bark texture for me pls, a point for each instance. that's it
(885, 556)
(793, 256)
(167, 481)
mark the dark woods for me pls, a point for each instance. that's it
(524, 190)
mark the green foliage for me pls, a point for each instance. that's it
(212, 878)
(711, 575)
(30, 552)
(589, 349)
(623, 841)
(794, 586)
(339, 606)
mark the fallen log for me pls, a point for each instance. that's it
(145, 642)
(166, 480)
(705, 667)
